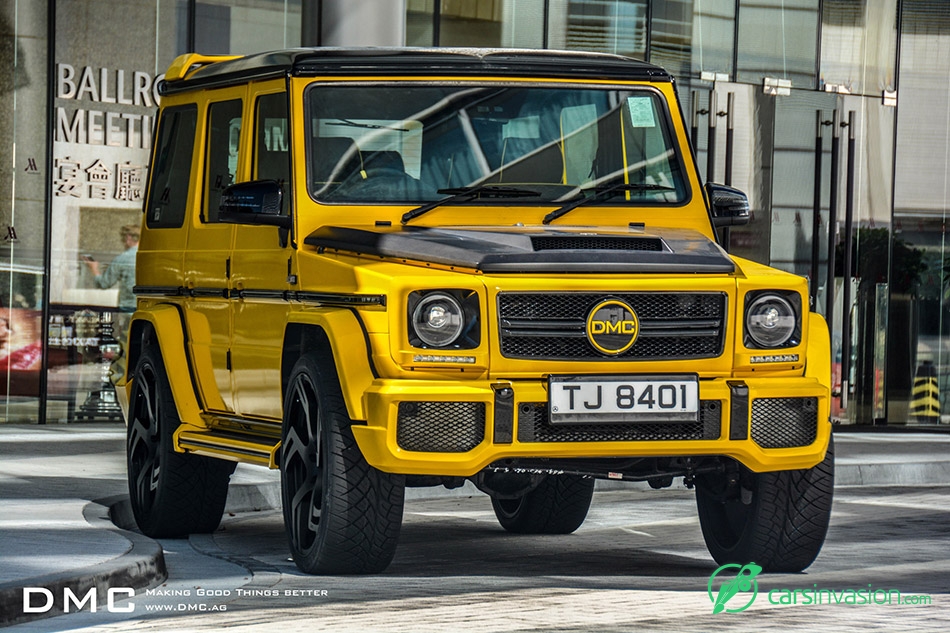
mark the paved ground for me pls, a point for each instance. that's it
(637, 563)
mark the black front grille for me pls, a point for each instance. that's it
(784, 422)
(673, 326)
(533, 426)
(440, 427)
(596, 243)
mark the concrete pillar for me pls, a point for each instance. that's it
(363, 22)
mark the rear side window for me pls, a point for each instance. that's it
(272, 156)
(224, 134)
(171, 173)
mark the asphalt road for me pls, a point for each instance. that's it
(638, 563)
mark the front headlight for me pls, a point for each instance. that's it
(772, 319)
(444, 318)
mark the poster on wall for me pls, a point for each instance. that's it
(21, 352)
(21, 347)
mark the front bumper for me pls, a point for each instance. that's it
(451, 428)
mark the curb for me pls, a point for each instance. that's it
(898, 474)
(141, 566)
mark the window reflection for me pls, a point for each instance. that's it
(470, 23)
(919, 333)
(603, 26)
(713, 35)
(778, 38)
(859, 46)
(671, 34)
(367, 145)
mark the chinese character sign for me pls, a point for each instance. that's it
(98, 181)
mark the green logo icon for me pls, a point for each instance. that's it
(743, 582)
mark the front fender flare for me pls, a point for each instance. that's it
(344, 341)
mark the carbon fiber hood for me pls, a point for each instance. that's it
(507, 249)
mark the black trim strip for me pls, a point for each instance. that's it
(157, 291)
(342, 299)
(220, 293)
(679, 333)
(368, 345)
(280, 295)
(540, 332)
(188, 361)
(738, 410)
(322, 298)
(504, 414)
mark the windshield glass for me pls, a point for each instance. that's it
(421, 143)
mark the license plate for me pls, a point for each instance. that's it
(610, 399)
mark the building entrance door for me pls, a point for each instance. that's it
(802, 157)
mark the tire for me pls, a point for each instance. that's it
(172, 494)
(341, 515)
(783, 526)
(558, 505)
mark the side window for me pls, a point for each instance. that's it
(272, 140)
(171, 173)
(224, 134)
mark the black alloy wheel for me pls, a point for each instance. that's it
(172, 494)
(341, 515)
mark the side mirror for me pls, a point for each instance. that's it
(258, 202)
(730, 207)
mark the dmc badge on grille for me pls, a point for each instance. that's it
(612, 327)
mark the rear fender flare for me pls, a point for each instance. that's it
(163, 325)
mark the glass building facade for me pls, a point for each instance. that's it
(833, 115)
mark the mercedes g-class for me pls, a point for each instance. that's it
(381, 268)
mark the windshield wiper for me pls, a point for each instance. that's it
(601, 191)
(368, 126)
(484, 190)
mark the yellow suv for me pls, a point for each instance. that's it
(380, 268)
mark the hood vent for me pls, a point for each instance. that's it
(596, 243)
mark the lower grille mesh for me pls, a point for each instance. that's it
(784, 422)
(440, 427)
(533, 426)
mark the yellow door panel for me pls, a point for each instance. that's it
(209, 329)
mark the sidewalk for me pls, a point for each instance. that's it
(63, 494)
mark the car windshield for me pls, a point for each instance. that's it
(411, 143)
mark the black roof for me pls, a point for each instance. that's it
(318, 62)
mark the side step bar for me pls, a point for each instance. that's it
(229, 444)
